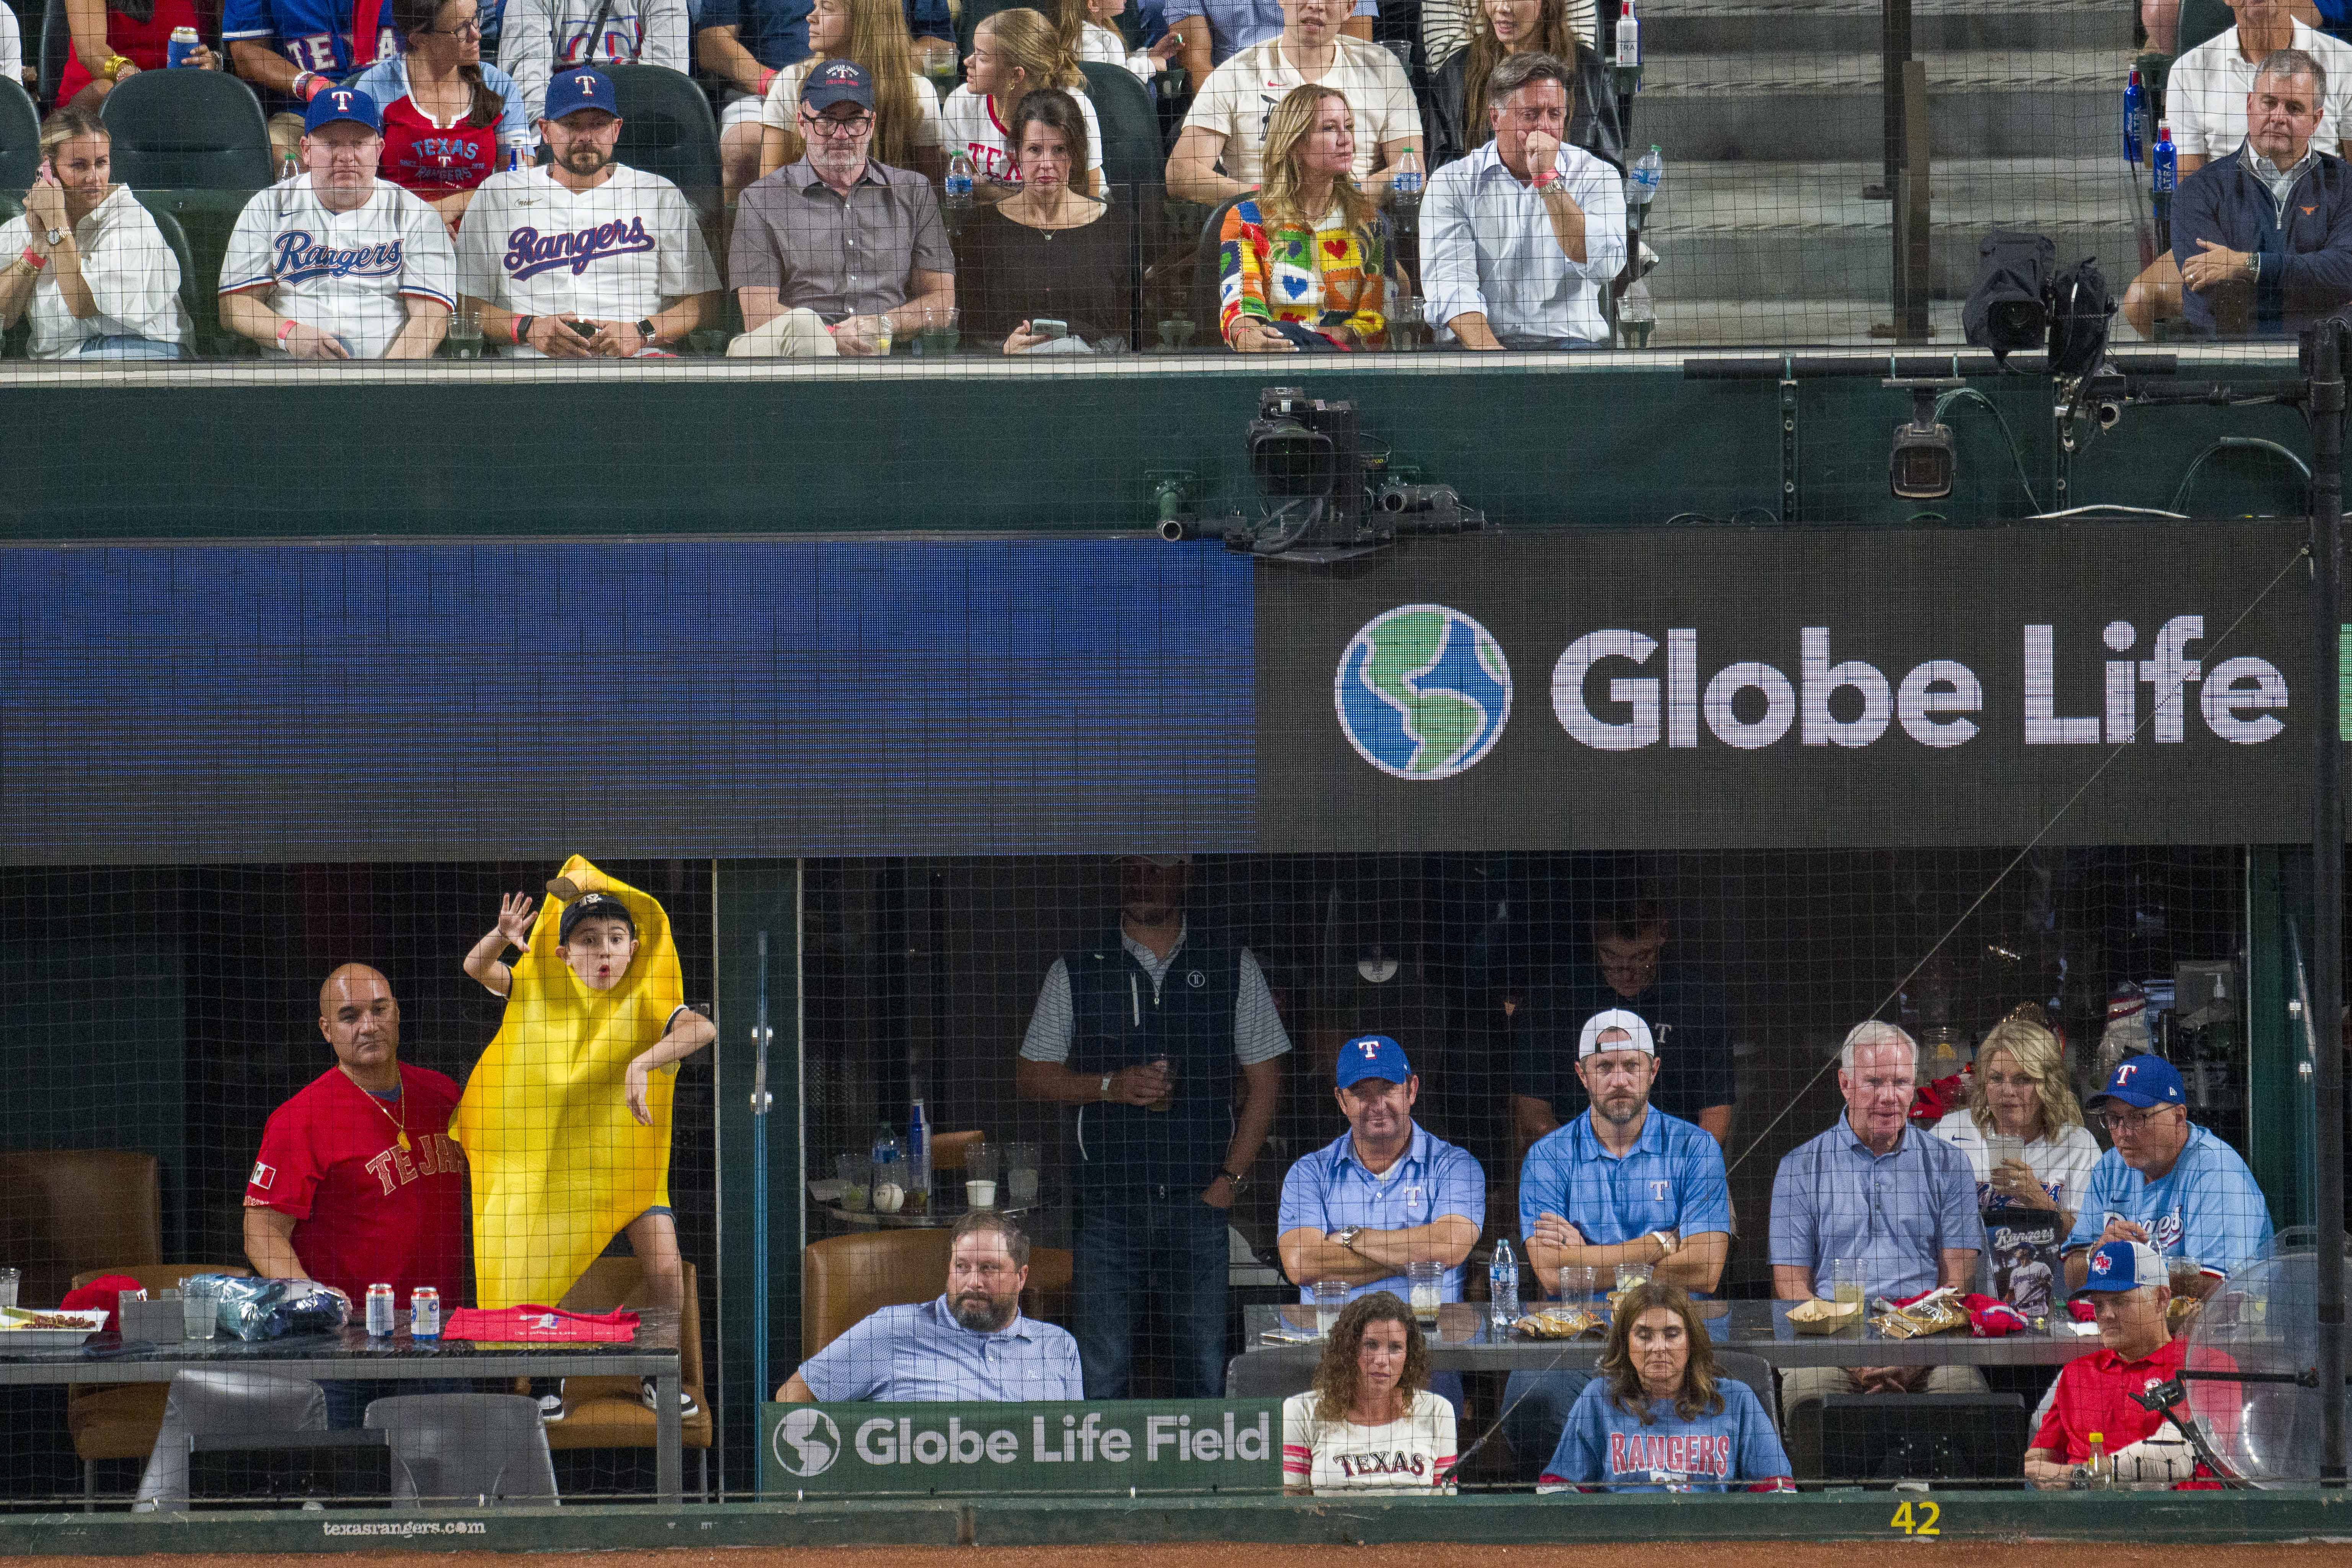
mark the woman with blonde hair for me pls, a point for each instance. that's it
(1660, 1416)
(1370, 1423)
(1303, 263)
(85, 260)
(1100, 40)
(2022, 1130)
(907, 131)
(1014, 53)
(1459, 123)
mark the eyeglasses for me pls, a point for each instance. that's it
(826, 125)
(472, 29)
(2135, 1121)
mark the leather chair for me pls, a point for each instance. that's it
(844, 1278)
(606, 1412)
(65, 1211)
(949, 1148)
(119, 1420)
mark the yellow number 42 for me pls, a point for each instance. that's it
(1923, 1524)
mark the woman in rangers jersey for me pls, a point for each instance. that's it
(1660, 1417)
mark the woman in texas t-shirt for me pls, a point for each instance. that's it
(1370, 1423)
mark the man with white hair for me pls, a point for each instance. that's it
(1896, 1205)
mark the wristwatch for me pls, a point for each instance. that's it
(1239, 1181)
(1345, 1236)
(646, 331)
(1102, 1090)
(55, 237)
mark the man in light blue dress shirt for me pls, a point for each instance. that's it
(1521, 238)
(971, 1342)
(1385, 1193)
(1895, 1202)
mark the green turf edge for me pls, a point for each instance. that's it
(2153, 1518)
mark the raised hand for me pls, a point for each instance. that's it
(514, 919)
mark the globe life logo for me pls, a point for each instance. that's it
(1750, 705)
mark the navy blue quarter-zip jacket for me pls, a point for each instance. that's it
(2304, 242)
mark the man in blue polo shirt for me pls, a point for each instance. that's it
(1626, 1183)
(2165, 1181)
(971, 1342)
(1894, 1200)
(1623, 1182)
(1383, 1195)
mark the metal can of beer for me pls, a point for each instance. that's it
(424, 1314)
(184, 43)
(379, 1312)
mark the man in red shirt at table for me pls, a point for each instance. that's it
(2127, 1284)
(358, 1182)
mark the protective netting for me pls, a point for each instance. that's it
(1732, 172)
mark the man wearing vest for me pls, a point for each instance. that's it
(1171, 1052)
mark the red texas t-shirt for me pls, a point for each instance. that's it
(368, 1212)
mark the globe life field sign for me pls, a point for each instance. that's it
(1737, 688)
(1100, 1445)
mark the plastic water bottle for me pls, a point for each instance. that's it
(1503, 1286)
(1642, 185)
(2097, 1474)
(1409, 181)
(2134, 120)
(890, 1157)
(919, 1158)
(960, 182)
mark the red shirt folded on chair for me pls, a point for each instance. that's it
(544, 1325)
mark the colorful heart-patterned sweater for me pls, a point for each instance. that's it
(1331, 278)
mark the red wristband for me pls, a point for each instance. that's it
(33, 260)
(1549, 176)
(285, 327)
(765, 78)
(314, 87)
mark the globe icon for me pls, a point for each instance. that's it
(1423, 692)
(807, 1442)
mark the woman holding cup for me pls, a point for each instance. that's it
(2023, 1129)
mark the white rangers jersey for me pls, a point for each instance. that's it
(349, 273)
(620, 252)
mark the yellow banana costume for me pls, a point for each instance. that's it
(559, 1165)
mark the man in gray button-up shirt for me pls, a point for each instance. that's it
(836, 254)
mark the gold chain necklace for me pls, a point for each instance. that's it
(399, 1122)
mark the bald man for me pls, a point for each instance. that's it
(358, 1182)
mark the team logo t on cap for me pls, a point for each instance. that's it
(341, 103)
(837, 81)
(1372, 1056)
(594, 907)
(2122, 1265)
(2142, 1080)
(575, 90)
(1630, 1025)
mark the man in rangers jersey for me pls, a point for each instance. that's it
(357, 1181)
(335, 263)
(544, 37)
(584, 243)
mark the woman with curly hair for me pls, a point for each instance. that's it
(1660, 1417)
(1370, 1423)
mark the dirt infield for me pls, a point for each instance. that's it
(1702, 1554)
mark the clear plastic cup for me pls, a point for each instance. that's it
(1580, 1283)
(1020, 1174)
(855, 1174)
(199, 1307)
(9, 1279)
(1330, 1296)
(980, 1161)
(1425, 1283)
(1632, 1274)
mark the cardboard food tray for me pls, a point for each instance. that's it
(15, 1332)
(1818, 1316)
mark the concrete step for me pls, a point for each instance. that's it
(1802, 231)
(1786, 108)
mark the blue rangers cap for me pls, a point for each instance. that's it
(341, 103)
(570, 91)
(1372, 1056)
(2142, 1080)
(837, 81)
(2122, 1265)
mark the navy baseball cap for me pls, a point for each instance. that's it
(2143, 1080)
(570, 91)
(592, 907)
(1372, 1056)
(837, 81)
(2123, 1266)
(342, 103)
